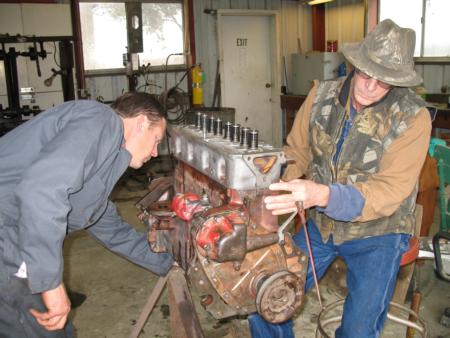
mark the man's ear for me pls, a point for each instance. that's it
(141, 122)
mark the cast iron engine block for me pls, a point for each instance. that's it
(216, 226)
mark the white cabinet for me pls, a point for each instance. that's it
(313, 66)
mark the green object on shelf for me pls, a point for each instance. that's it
(433, 143)
(442, 156)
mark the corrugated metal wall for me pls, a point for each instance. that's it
(344, 22)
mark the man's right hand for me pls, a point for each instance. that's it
(58, 307)
(311, 194)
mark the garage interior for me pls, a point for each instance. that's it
(194, 56)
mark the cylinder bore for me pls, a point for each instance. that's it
(279, 296)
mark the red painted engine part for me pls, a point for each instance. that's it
(186, 205)
(212, 231)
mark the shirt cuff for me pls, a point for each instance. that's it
(345, 203)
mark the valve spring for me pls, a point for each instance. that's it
(198, 120)
(253, 139)
(244, 137)
(236, 133)
(227, 131)
(211, 124)
(218, 126)
(205, 123)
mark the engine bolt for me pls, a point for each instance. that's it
(207, 300)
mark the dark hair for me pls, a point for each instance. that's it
(132, 104)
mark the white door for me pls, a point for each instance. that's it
(248, 82)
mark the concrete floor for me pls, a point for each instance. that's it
(117, 290)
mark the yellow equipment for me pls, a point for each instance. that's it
(197, 85)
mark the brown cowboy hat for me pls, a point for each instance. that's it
(386, 54)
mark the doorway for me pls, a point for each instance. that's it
(249, 55)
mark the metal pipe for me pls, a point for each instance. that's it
(301, 213)
(323, 322)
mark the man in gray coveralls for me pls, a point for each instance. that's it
(56, 173)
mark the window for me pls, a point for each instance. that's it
(428, 18)
(104, 34)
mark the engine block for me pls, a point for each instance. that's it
(217, 227)
(229, 163)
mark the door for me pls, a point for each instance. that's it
(249, 72)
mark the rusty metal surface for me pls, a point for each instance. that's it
(236, 264)
(279, 296)
(187, 179)
(226, 241)
(156, 189)
(238, 284)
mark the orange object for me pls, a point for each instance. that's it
(413, 251)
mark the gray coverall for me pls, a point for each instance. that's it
(56, 173)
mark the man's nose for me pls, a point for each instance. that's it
(154, 152)
(371, 84)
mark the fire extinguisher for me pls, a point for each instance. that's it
(197, 85)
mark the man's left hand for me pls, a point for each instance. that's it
(58, 305)
(311, 194)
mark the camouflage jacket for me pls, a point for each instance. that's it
(373, 130)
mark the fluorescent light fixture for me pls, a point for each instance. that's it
(316, 2)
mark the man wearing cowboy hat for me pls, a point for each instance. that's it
(360, 142)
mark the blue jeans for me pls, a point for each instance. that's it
(372, 265)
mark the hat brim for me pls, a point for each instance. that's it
(357, 58)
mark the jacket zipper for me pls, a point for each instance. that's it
(332, 165)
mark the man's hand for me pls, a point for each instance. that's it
(58, 308)
(310, 193)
